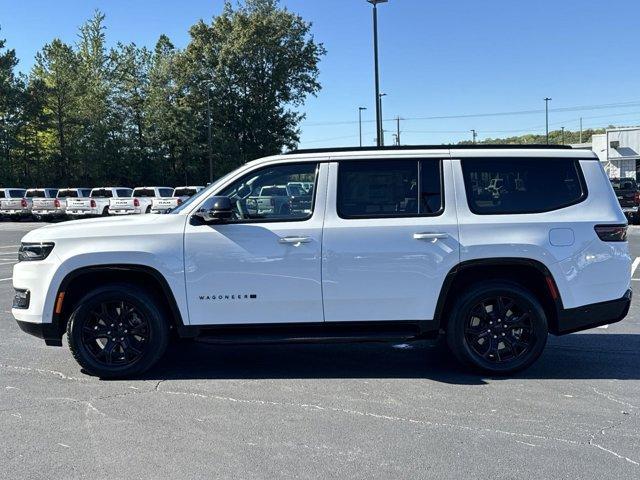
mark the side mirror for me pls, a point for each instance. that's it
(215, 210)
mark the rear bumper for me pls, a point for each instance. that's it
(124, 212)
(594, 315)
(16, 213)
(47, 331)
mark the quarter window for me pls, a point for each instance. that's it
(264, 194)
(522, 185)
(392, 188)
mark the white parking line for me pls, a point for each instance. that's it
(10, 246)
(5, 279)
(634, 265)
(8, 263)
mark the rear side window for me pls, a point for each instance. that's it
(392, 188)
(522, 185)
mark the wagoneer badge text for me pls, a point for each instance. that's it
(242, 296)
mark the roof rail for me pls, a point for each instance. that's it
(430, 147)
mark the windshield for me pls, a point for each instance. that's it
(205, 191)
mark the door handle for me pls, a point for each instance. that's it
(294, 240)
(429, 236)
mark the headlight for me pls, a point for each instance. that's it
(30, 252)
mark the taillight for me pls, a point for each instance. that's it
(612, 233)
(136, 202)
(23, 203)
(179, 201)
(636, 198)
(93, 204)
(56, 203)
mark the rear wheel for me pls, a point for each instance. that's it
(117, 331)
(497, 327)
(105, 211)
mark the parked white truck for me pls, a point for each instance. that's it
(17, 208)
(9, 194)
(180, 194)
(55, 208)
(96, 203)
(139, 202)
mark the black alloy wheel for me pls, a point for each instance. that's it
(118, 330)
(497, 327)
(499, 330)
(115, 333)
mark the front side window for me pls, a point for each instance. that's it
(389, 188)
(521, 185)
(262, 194)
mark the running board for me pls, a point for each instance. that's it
(347, 332)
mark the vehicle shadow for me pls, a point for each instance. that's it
(577, 356)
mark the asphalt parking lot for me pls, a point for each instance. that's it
(323, 411)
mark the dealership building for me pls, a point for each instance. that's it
(619, 151)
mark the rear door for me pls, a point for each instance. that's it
(390, 238)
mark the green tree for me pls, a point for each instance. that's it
(10, 100)
(55, 77)
(263, 61)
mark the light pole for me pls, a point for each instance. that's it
(562, 128)
(474, 135)
(546, 116)
(360, 109)
(380, 135)
(209, 136)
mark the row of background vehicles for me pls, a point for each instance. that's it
(48, 204)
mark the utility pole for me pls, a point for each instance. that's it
(474, 135)
(360, 109)
(398, 130)
(546, 115)
(380, 134)
(580, 129)
(562, 128)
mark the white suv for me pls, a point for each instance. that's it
(496, 247)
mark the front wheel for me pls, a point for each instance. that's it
(117, 331)
(497, 327)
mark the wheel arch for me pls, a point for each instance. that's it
(528, 273)
(80, 281)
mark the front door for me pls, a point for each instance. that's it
(390, 238)
(263, 266)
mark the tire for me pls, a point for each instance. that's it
(102, 339)
(105, 212)
(497, 327)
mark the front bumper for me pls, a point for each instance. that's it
(47, 331)
(594, 315)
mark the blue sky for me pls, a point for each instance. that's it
(438, 58)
